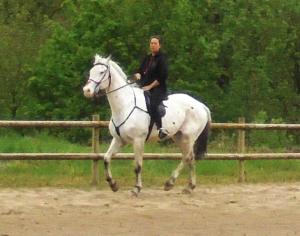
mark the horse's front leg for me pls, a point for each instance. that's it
(113, 149)
(138, 147)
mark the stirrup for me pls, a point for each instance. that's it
(162, 133)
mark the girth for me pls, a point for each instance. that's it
(117, 127)
(147, 95)
(162, 112)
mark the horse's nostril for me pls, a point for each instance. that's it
(86, 90)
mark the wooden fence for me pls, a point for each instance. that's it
(95, 156)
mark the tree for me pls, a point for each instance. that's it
(242, 57)
(22, 33)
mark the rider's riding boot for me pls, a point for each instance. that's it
(162, 133)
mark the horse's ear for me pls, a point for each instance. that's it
(108, 58)
(96, 58)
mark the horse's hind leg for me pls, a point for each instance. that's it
(192, 182)
(171, 181)
(113, 149)
(138, 147)
(187, 156)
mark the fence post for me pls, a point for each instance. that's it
(241, 149)
(96, 149)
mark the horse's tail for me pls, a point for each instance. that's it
(200, 145)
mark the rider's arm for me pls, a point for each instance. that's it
(162, 69)
(154, 84)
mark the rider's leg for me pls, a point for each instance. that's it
(156, 98)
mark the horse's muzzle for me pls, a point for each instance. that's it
(87, 91)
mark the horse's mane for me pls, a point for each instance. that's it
(119, 69)
(99, 59)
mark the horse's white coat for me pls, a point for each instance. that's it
(185, 119)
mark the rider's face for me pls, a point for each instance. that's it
(154, 45)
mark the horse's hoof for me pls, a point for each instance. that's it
(135, 192)
(187, 191)
(168, 186)
(114, 186)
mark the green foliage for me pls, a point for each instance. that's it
(270, 140)
(22, 33)
(241, 57)
(11, 141)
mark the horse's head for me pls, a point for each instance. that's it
(99, 77)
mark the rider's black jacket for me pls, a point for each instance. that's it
(154, 68)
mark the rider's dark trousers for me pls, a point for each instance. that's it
(157, 95)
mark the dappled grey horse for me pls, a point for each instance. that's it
(186, 120)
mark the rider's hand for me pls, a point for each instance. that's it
(137, 76)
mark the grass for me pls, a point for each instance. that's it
(78, 173)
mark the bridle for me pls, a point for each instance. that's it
(103, 77)
(98, 94)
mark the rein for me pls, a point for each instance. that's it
(105, 93)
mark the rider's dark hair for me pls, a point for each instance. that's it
(158, 37)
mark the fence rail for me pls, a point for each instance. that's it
(147, 156)
(95, 155)
(99, 124)
(53, 124)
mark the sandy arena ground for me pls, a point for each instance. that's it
(260, 209)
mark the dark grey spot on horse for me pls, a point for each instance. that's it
(138, 169)
(173, 123)
(106, 164)
(178, 135)
(192, 108)
(108, 179)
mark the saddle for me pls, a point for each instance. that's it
(161, 107)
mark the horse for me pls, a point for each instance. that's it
(186, 119)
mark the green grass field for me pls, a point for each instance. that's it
(78, 173)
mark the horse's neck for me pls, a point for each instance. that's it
(121, 100)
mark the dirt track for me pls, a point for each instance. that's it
(211, 210)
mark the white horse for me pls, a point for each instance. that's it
(187, 121)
